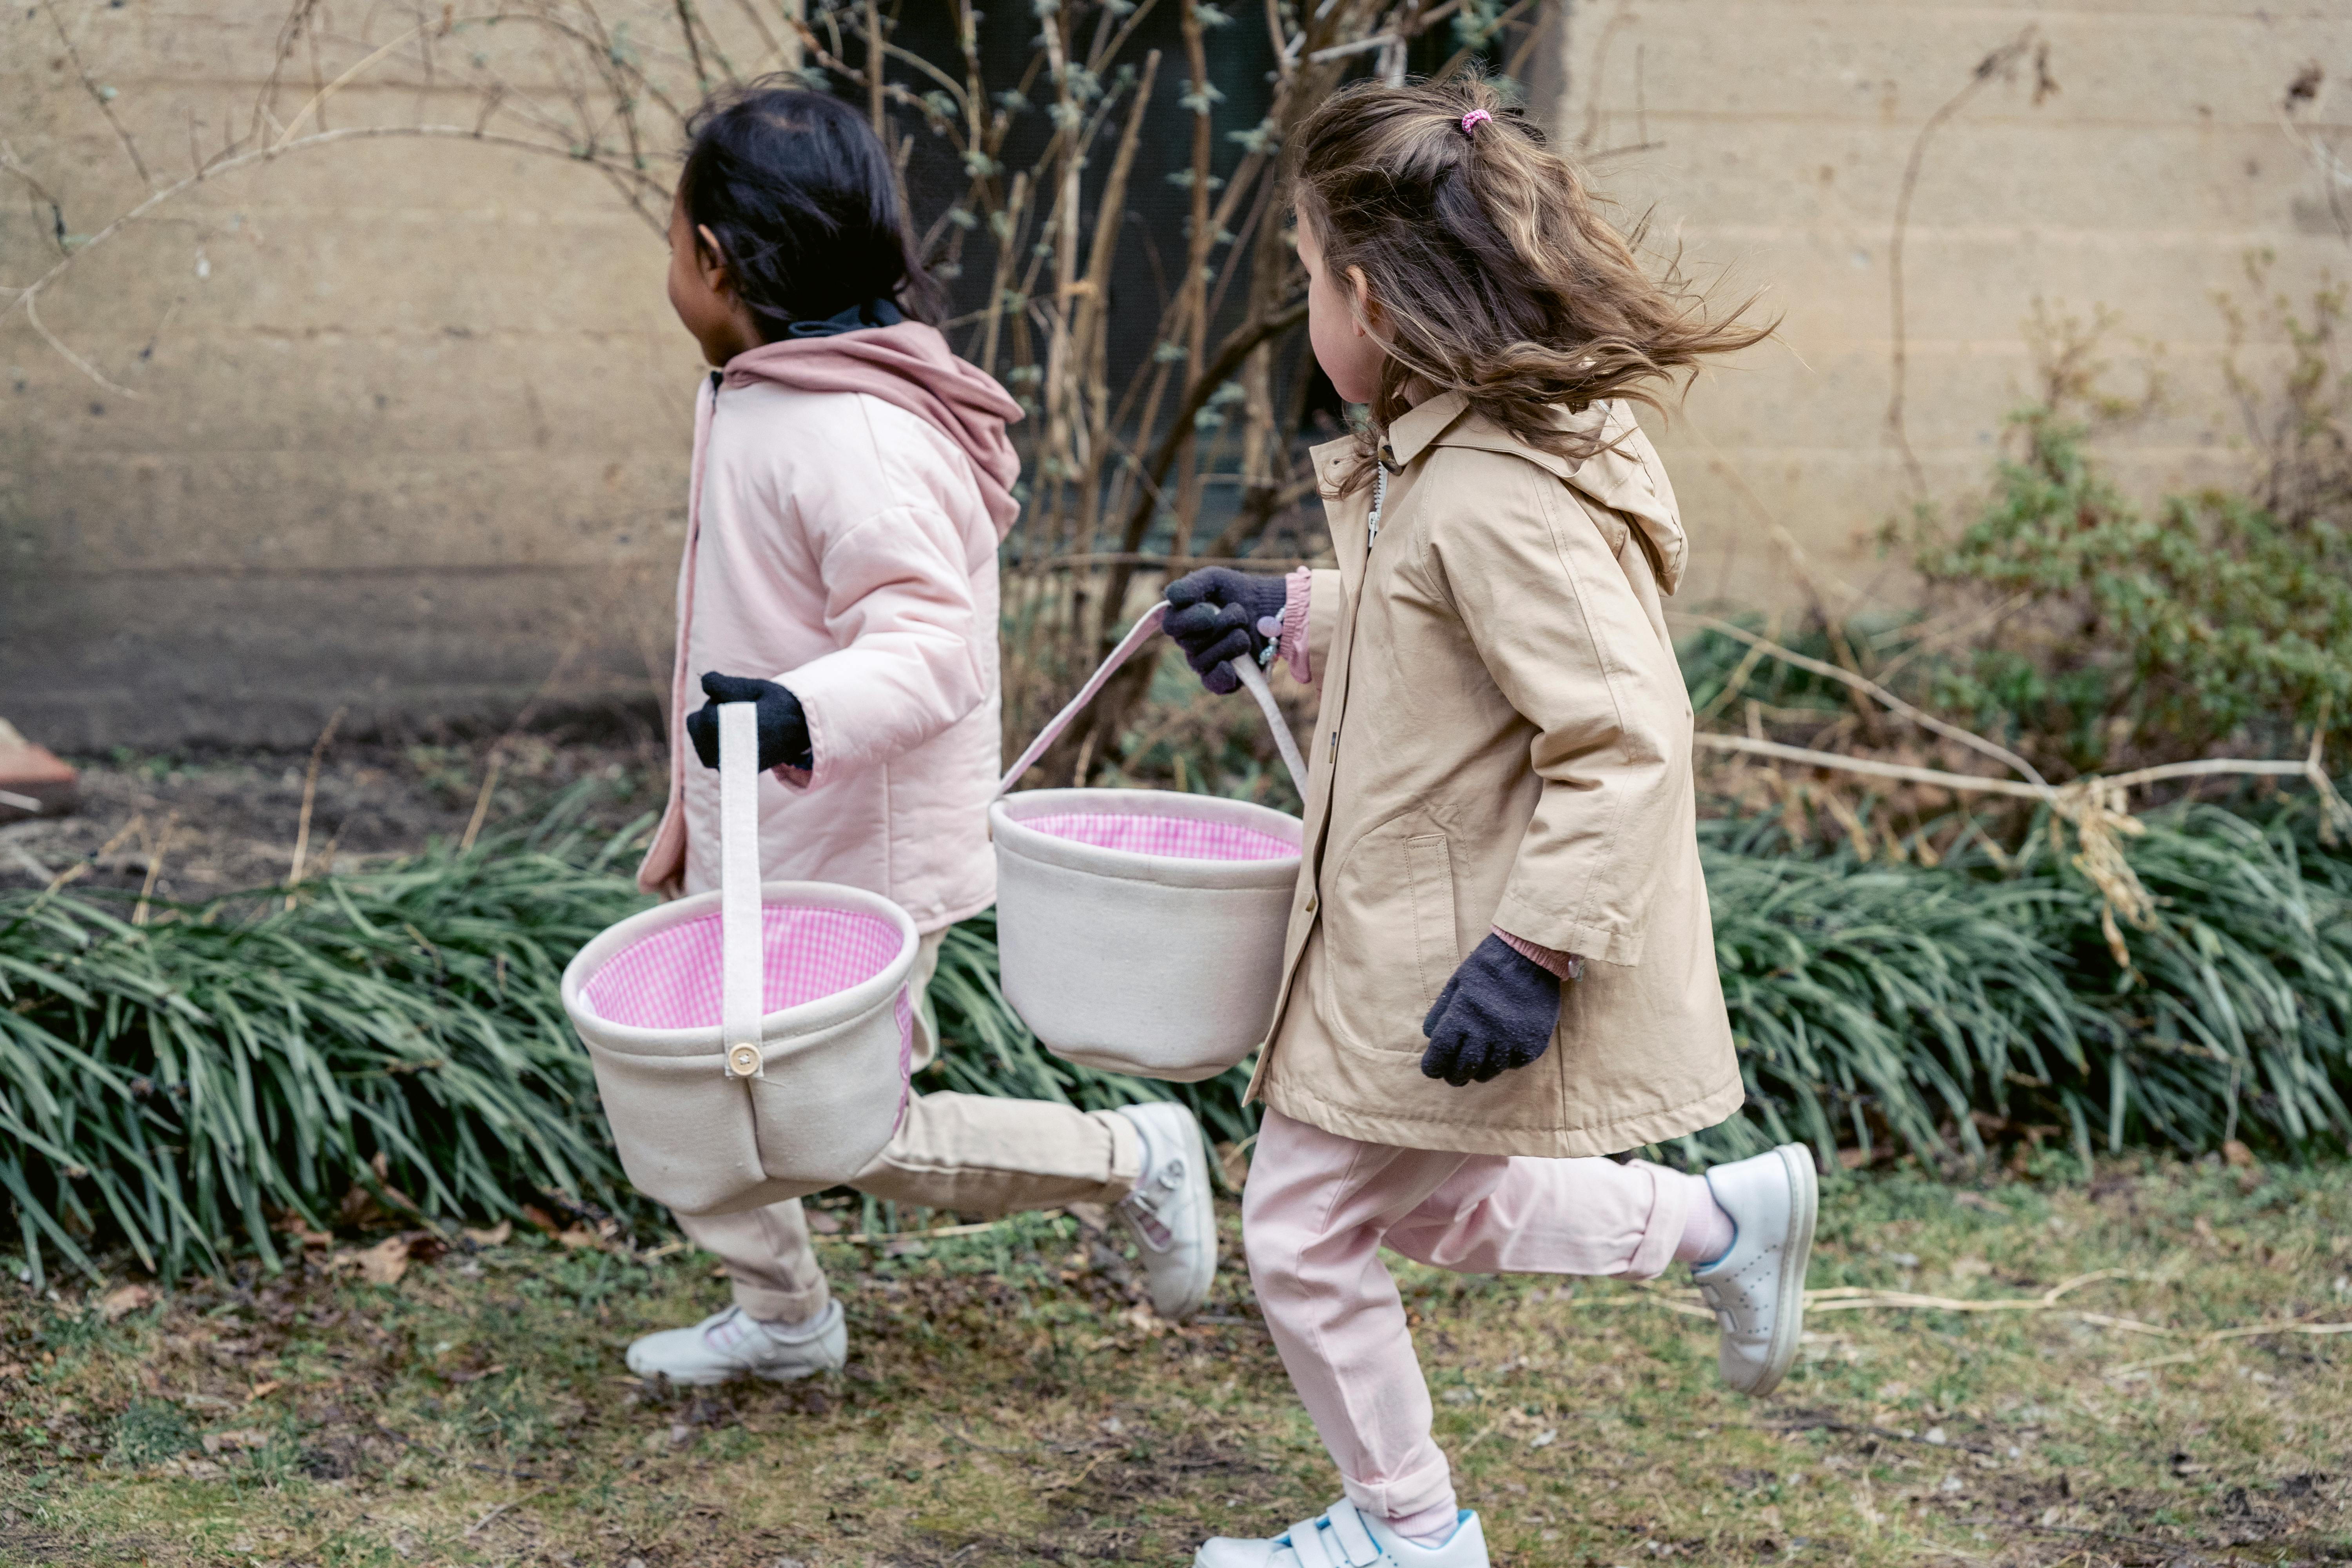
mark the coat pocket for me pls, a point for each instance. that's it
(1429, 874)
(1389, 942)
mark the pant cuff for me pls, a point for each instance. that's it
(1670, 1195)
(771, 1305)
(1428, 1485)
(1125, 1154)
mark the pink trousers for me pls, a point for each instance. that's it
(1316, 1212)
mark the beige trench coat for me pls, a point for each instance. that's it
(1504, 740)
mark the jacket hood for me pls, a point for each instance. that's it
(911, 366)
(1625, 474)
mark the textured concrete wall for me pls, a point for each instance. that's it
(402, 423)
(1771, 140)
(410, 418)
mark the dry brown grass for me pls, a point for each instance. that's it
(1008, 1403)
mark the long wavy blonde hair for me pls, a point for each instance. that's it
(1493, 270)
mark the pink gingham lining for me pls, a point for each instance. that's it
(1173, 838)
(672, 979)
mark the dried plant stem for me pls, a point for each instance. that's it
(162, 847)
(1990, 68)
(1999, 753)
(498, 760)
(309, 796)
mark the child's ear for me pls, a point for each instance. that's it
(1367, 313)
(712, 261)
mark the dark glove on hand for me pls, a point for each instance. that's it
(1497, 1012)
(784, 728)
(1214, 616)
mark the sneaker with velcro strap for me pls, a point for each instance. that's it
(1345, 1538)
(1756, 1290)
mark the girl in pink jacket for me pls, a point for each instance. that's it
(852, 479)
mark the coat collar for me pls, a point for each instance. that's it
(1422, 425)
(1625, 474)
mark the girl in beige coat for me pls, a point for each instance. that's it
(1499, 966)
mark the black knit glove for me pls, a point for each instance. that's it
(784, 728)
(1497, 1013)
(1214, 616)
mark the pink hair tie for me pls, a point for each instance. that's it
(1472, 121)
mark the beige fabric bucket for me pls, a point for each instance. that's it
(750, 1045)
(1140, 931)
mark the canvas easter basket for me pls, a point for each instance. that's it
(751, 1045)
(1140, 931)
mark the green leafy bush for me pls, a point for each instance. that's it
(2217, 620)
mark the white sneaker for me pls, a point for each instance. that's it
(1169, 1211)
(1758, 1289)
(1343, 1538)
(734, 1344)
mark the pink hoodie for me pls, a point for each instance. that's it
(848, 495)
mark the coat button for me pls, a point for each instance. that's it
(1310, 903)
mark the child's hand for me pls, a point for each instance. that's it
(1219, 615)
(1497, 1013)
(784, 728)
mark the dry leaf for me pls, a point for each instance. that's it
(219, 1443)
(578, 1236)
(539, 1216)
(116, 1304)
(2238, 1154)
(824, 1224)
(497, 1236)
(1094, 1216)
(382, 1264)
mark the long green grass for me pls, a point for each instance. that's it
(229, 1068)
(188, 1086)
(1917, 1005)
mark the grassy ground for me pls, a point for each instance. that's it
(1008, 1403)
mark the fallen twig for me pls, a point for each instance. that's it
(883, 1237)
(2207, 1343)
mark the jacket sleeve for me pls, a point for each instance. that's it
(909, 663)
(1549, 608)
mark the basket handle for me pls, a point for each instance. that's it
(742, 986)
(1145, 627)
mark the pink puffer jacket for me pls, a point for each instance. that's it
(848, 500)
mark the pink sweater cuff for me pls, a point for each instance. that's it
(1565, 965)
(1292, 644)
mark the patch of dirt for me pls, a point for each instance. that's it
(205, 826)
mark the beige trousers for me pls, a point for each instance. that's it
(967, 1152)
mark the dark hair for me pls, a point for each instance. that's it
(800, 194)
(1493, 263)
